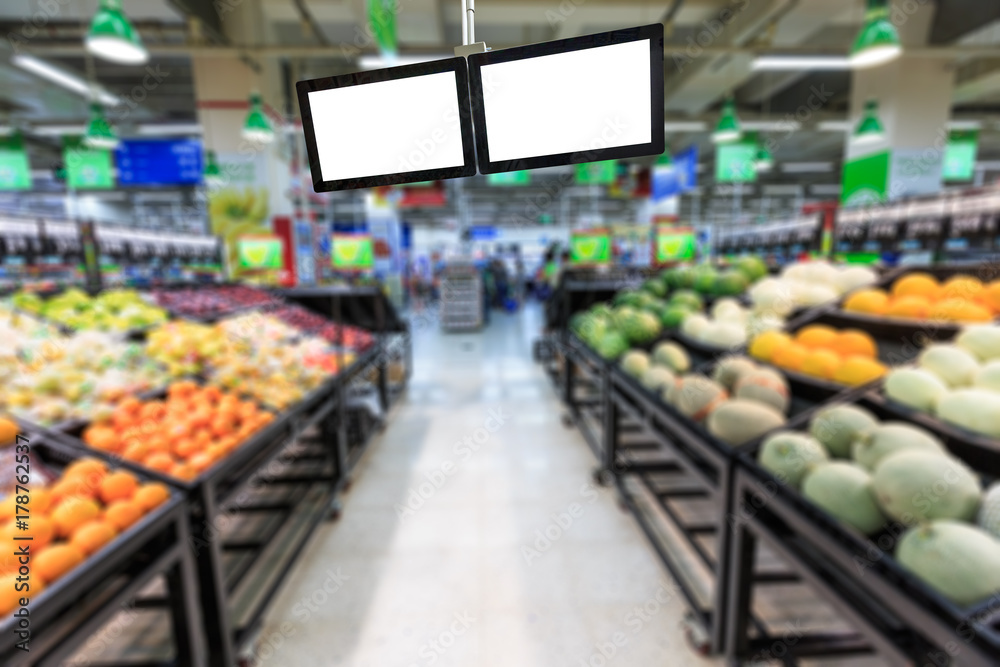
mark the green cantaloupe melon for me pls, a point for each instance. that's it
(656, 378)
(956, 560)
(872, 445)
(976, 410)
(738, 421)
(635, 363)
(989, 511)
(982, 340)
(951, 363)
(766, 386)
(988, 376)
(837, 426)
(672, 356)
(731, 369)
(695, 396)
(789, 456)
(914, 486)
(917, 388)
(844, 490)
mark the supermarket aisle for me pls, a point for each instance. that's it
(473, 537)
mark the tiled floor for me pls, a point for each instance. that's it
(509, 555)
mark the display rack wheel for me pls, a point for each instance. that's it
(567, 420)
(334, 511)
(696, 634)
(603, 477)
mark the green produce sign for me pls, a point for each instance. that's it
(15, 172)
(352, 252)
(590, 247)
(260, 252)
(522, 177)
(87, 168)
(960, 155)
(674, 244)
(734, 162)
(865, 180)
(597, 173)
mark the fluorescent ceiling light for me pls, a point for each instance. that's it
(65, 79)
(835, 126)
(805, 167)
(162, 130)
(792, 63)
(964, 124)
(772, 125)
(825, 189)
(58, 130)
(684, 126)
(380, 61)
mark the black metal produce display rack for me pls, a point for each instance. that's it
(584, 392)
(68, 614)
(891, 613)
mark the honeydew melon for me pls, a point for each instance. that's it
(635, 363)
(657, 378)
(766, 386)
(871, 446)
(672, 356)
(740, 420)
(695, 396)
(957, 560)
(914, 486)
(988, 376)
(844, 490)
(837, 426)
(982, 340)
(730, 369)
(790, 456)
(976, 410)
(915, 387)
(989, 511)
(952, 364)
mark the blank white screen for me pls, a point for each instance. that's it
(388, 127)
(568, 102)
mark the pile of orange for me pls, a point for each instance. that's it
(920, 296)
(182, 435)
(846, 356)
(68, 520)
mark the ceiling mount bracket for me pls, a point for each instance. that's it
(469, 43)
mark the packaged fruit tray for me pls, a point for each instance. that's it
(88, 520)
(190, 434)
(908, 500)
(929, 301)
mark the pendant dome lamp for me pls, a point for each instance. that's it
(878, 42)
(728, 128)
(112, 36)
(763, 160)
(257, 128)
(870, 129)
(211, 175)
(100, 135)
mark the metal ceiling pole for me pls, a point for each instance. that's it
(470, 11)
(465, 24)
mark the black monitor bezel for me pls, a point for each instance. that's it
(656, 146)
(457, 65)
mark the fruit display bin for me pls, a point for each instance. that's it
(914, 330)
(67, 615)
(890, 612)
(686, 473)
(585, 394)
(701, 353)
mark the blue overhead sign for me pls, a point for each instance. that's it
(681, 175)
(159, 162)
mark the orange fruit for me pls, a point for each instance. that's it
(821, 363)
(8, 507)
(73, 487)
(851, 342)
(990, 296)
(55, 561)
(123, 513)
(8, 431)
(870, 301)
(101, 437)
(186, 448)
(958, 310)
(150, 495)
(763, 346)
(200, 461)
(93, 535)
(136, 452)
(183, 471)
(10, 596)
(858, 370)
(41, 501)
(962, 287)
(917, 284)
(159, 461)
(153, 410)
(41, 530)
(912, 307)
(119, 485)
(72, 513)
(816, 336)
(790, 356)
(85, 468)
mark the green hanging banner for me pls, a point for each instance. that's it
(15, 171)
(382, 21)
(735, 161)
(960, 155)
(597, 173)
(87, 168)
(865, 180)
(522, 177)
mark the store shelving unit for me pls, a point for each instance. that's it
(461, 297)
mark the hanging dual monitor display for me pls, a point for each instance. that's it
(585, 99)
